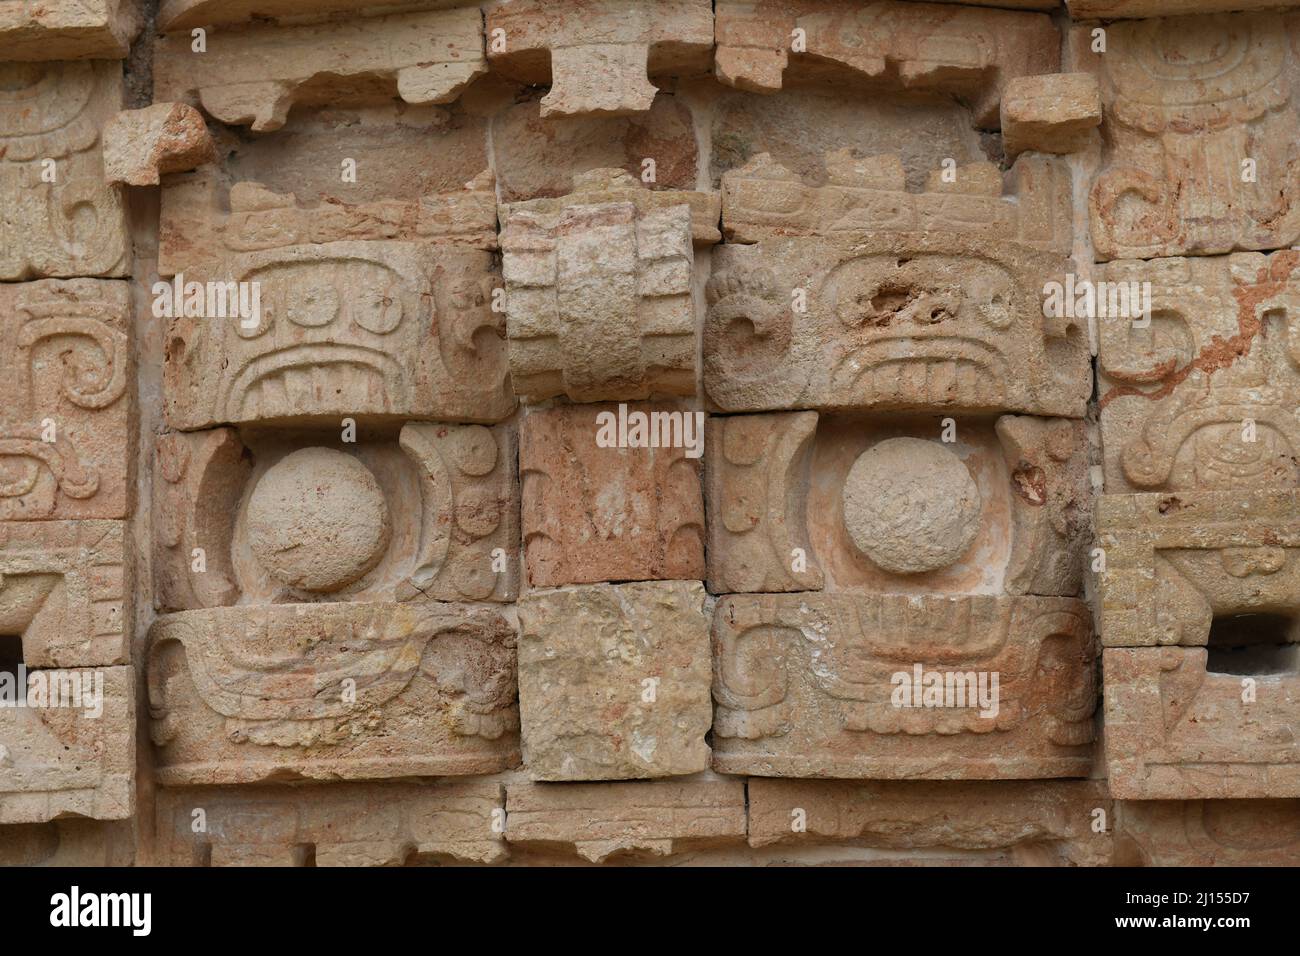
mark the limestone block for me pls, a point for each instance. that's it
(1199, 121)
(614, 681)
(890, 507)
(594, 513)
(60, 219)
(332, 692)
(903, 687)
(71, 750)
(1138, 9)
(1181, 567)
(599, 294)
(1203, 396)
(934, 47)
(764, 199)
(1208, 833)
(67, 29)
(338, 824)
(600, 821)
(163, 138)
(909, 321)
(67, 400)
(68, 841)
(598, 56)
(285, 518)
(174, 15)
(254, 76)
(1037, 823)
(1179, 728)
(1054, 113)
(66, 591)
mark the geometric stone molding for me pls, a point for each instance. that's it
(923, 321)
(71, 751)
(140, 145)
(1204, 397)
(330, 692)
(593, 514)
(1208, 833)
(642, 818)
(933, 47)
(1030, 205)
(338, 824)
(50, 120)
(1055, 113)
(254, 76)
(599, 296)
(882, 515)
(614, 681)
(67, 400)
(597, 57)
(1026, 823)
(808, 685)
(66, 591)
(67, 29)
(1175, 730)
(289, 517)
(1200, 115)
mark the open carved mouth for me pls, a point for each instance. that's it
(321, 378)
(924, 371)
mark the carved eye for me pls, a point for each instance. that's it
(312, 305)
(377, 307)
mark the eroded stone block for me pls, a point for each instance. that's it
(603, 820)
(1039, 824)
(598, 56)
(593, 513)
(1208, 833)
(919, 46)
(163, 138)
(613, 681)
(329, 692)
(67, 400)
(599, 296)
(71, 751)
(60, 219)
(899, 686)
(254, 76)
(67, 842)
(1138, 9)
(67, 29)
(1185, 723)
(1199, 122)
(339, 824)
(891, 322)
(1054, 113)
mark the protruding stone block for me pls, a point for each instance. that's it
(67, 29)
(1054, 113)
(139, 145)
(614, 681)
(598, 512)
(332, 692)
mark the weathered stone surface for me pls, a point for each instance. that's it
(66, 591)
(72, 752)
(614, 681)
(594, 513)
(176, 15)
(330, 692)
(67, 29)
(598, 56)
(340, 824)
(67, 842)
(1202, 397)
(869, 194)
(931, 321)
(816, 685)
(883, 507)
(254, 76)
(1137, 9)
(609, 820)
(1054, 113)
(919, 46)
(67, 400)
(432, 514)
(60, 219)
(1177, 729)
(1208, 833)
(1199, 121)
(1037, 824)
(139, 145)
(599, 293)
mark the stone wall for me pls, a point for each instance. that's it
(612, 432)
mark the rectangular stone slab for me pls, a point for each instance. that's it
(1208, 833)
(67, 29)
